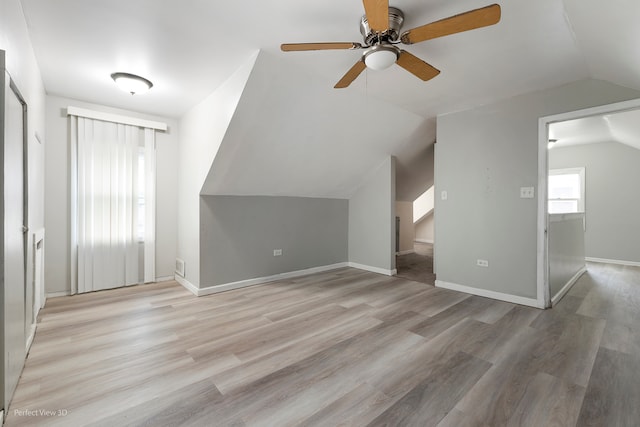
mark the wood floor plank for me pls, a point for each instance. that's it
(171, 409)
(430, 401)
(358, 407)
(613, 392)
(547, 401)
(251, 371)
(457, 418)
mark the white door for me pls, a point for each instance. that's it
(14, 243)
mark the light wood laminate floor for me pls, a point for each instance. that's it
(339, 348)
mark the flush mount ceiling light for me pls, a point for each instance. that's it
(131, 83)
(381, 56)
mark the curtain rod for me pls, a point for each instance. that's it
(115, 118)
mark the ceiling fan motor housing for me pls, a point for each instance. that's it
(396, 18)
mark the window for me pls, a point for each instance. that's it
(566, 190)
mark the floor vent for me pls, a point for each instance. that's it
(180, 267)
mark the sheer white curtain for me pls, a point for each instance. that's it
(112, 204)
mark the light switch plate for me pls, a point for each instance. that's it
(527, 192)
(444, 195)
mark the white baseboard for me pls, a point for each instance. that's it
(531, 302)
(410, 251)
(58, 294)
(423, 241)
(1, 417)
(257, 281)
(613, 261)
(187, 284)
(568, 286)
(32, 335)
(373, 269)
(282, 276)
(165, 279)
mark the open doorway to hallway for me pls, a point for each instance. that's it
(597, 149)
(418, 265)
(414, 236)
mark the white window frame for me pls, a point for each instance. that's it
(573, 171)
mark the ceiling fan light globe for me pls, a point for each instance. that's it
(380, 57)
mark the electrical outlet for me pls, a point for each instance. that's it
(277, 252)
(482, 263)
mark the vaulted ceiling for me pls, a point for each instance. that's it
(622, 127)
(188, 48)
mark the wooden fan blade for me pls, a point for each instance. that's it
(471, 20)
(377, 12)
(294, 47)
(416, 66)
(351, 75)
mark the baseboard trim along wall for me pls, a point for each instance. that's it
(164, 279)
(423, 241)
(32, 335)
(257, 281)
(410, 251)
(373, 269)
(613, 261)
(58, 294)
(568, 286)
(186, 284)
(282, 276)
(531, 302)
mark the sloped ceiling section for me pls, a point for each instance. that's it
(607, 32)
(290, 136)
(622, 127)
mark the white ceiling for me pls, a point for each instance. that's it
(622, 127)
(188, 48)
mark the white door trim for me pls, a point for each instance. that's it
(544, 298)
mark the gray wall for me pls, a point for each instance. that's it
(612, 199)
(483, 157)
(372, 219)
(57, 200)
(239, 233)
(424, 228)
(566, 249)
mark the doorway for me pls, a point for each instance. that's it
(545, 124)
(414, 255)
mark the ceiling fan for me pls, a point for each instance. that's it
(380, 28)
